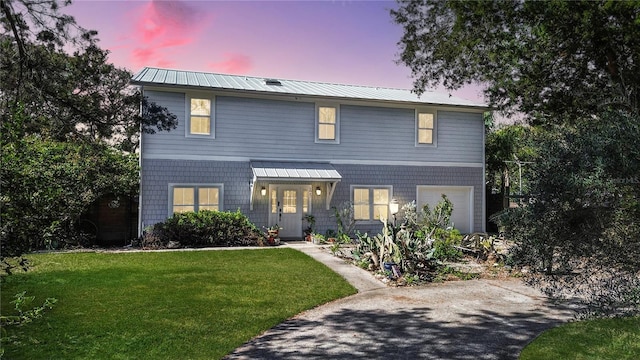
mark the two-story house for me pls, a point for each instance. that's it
(279, 149)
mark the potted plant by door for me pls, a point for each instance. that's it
(317, 238)
(273, 232)
(311, 222)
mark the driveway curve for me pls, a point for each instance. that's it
(477, 319)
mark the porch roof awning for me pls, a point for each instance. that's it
(294, 171)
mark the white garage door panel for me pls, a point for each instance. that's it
(460, 196)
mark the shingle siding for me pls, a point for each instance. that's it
(405, 180)
(236, 178)
(158, 174)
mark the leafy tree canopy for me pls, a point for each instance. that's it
(505, 147)
(573, 69)
(47, 185)
(69, 125)
(550, 60)
(69, 96)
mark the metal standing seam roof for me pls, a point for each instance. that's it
(263, 170)
(168, 77)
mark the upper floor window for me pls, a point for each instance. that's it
(185, 198)
(327, 123)
(371, 202)
(200, 117)
(425, 128)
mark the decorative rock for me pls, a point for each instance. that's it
(173, 245)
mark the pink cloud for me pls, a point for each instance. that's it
(163, 26)
(233, 63)
(143, 55)
(175, 42)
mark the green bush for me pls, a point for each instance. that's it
(207, 228)
(444, 245)
(444, 250)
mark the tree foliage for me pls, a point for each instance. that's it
(48, 184)
(582, 224)
(551, 60)
(69, 124)
(78, 96)
(505, 148)
(592, 210)
(572, 69)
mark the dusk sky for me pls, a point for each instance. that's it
(347, 42)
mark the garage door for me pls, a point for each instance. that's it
(460, 196)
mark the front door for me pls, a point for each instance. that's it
(288, 204)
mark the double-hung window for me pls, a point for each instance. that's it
(371, 202)
(200, 117)
(185, 198)
(327, 123)
(425, 128)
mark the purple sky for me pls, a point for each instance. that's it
(348, 42)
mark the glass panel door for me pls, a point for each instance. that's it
(286, 208)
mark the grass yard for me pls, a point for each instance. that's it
(162, 305)
(615, 339)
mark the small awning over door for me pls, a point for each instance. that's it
(293, 171)
(296, 171)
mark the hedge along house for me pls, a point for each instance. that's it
(280, 149)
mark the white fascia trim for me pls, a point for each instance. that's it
(333, 162)
(406, 163)
(196, 157)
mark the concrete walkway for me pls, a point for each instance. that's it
(478, 319)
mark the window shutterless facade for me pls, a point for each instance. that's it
(200, 117)
(371, 203)
(425, 128)
(327, 123)
(187, 197)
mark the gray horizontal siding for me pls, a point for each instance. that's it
(264, 128)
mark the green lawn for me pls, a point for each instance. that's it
(162, 305)
(615, 339)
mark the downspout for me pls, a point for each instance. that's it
(140, 225)
(484, 178)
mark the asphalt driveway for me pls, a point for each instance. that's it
(477, 319)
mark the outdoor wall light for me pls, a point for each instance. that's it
(263, 191)
(393, 206)
(318, 191)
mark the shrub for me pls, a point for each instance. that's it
(445, 251)
(208, 228)
(444, 245)
(423, 240)
(345, 220)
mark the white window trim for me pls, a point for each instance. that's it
(212, 116)
(370, 187)
(434, 143)
(196, 186)
(317, 124)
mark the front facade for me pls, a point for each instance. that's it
(279, 149)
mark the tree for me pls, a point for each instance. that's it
(79, 96)
(572, 69)
(47, 185)
(70, 124)
(551, 60)
(581, 228)
(506, 147)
